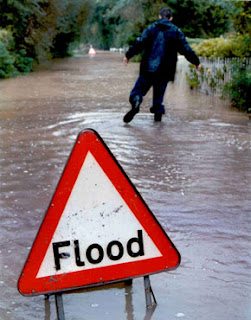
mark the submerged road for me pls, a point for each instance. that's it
(193, 170)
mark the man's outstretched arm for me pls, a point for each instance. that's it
(187, 51)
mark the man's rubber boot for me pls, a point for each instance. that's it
(135, 109)
(158, 110)
(157, 117)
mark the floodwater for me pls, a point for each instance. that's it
(193, 170)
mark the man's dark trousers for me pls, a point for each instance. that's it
(144, 82)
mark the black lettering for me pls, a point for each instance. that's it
(57, 255)
(109, 250)
(138, 240)
(89, 253)
(79, 263)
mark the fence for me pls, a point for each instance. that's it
(215, 73)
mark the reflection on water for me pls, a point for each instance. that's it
(129, 305)
(192, 169)
(129, 309)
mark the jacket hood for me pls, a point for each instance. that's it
(164, 24)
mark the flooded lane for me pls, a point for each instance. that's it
(193, 170)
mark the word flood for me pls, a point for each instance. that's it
(95, 253)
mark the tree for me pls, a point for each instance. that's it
(242, 17)
(116, 23)
(201, 18)
(44, 28)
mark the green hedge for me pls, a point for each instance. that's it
(11, 62)
(213, 78)
(239, 87)
(233, 46)
(230, 78)
(194, 41)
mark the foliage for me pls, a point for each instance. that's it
(233, 46)
(38, 30)
(6, 37)
(12, 62)
(239, 87)
(118, 22)
(193, 41)
(193, 78)
(237, 44)
(44, 28)
(242, 17)
(201, 18)
(6, 62)
(210, 79)
(230, 78)
(115, 23)
(23, 64)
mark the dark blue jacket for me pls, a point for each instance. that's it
(160, 42)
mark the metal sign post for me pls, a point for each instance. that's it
(150, 298)
(59, 306)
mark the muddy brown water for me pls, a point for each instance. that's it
(193, 170)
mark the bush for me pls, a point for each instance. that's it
(7, 68)
(234, 46)
(194, 41)
(23, 63)
(239, 87)
(12, 63)
(230, 78)
(192, 78)
(6, 38)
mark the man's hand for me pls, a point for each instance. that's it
(126, 61)
(198, 67)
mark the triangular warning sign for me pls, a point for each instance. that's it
(97, 229)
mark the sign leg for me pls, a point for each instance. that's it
(59, 306)
(47, 307)
(150, 298)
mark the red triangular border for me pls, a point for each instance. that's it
(28, 284)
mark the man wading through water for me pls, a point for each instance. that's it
(160, 42)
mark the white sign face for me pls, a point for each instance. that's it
(96, 229)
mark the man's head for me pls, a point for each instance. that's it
(166, 13)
